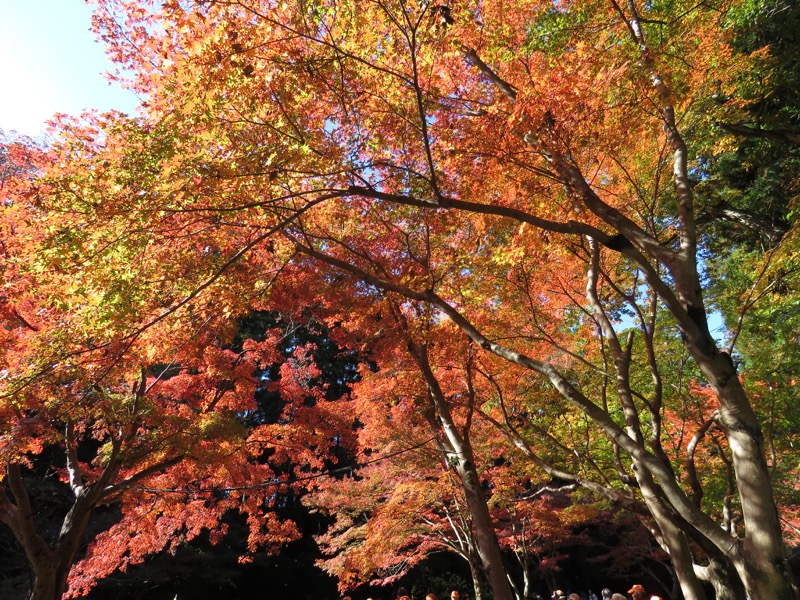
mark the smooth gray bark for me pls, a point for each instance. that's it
(462, 461)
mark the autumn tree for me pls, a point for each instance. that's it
(392, 516)
(415, 393)
(521, 170)
(158, 422)
(157, 446)
(173, 454)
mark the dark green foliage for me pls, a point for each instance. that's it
(746, 194)
(771, 90)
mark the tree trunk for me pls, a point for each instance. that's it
(765, 575)
(726, 583)
(477, 580)
(672, 537)
(49, 581)
(514, 587)
(760, 558)
(50, 564)
(486, 542)
(463, 462)
(526, 579)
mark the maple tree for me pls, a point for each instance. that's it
(405, 500)
(162, 423)
(520, 170)
(441, 499)
(156, 447)
(389, 520)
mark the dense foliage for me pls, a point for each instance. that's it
(444, 272)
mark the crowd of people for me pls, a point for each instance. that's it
(637, 592)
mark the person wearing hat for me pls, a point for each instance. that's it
(637, 592)
(454, 595)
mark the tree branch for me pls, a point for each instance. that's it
(782, 135)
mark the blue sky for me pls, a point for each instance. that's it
(50, 62)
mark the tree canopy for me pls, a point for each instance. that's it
(519, 218)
